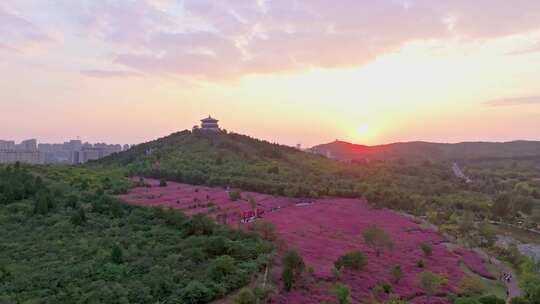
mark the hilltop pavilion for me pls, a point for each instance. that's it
(210, 124)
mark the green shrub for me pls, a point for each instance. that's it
(377, 239)
(79, 217)
(101, 204)
(200, 224)
(387, 288)
(382, 287)
(4, 274)
(396, 273)
(519, 300)
(196, 293)
(427, 249)
(216, 246)
(530, 280)
(43, 202)
(221, 267)
(196, 254)
(162, 183)
(245, 296)
(471, 286)
(491, 299)
(355, 260)
(466, 301)
(72, 201)
(235, 195)
(117, 255)
(266, 229)
(431, 282)
(173, 217)
(395, 300)
(293, 266)
(343, 294)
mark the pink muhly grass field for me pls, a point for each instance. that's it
(474, 262)
(331, 227)
(323, 231)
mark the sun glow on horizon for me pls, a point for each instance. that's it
(363, 129)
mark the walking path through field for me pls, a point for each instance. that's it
(512, 286)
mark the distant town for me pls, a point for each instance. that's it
(70, 152)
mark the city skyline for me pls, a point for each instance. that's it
(74, 151)
(38, 141)
(368, 72)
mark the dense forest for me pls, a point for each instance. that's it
(66, 240)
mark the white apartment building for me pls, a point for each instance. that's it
(8, 157)
(7, 145)
(71, 152)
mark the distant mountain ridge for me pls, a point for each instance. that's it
(419, 150)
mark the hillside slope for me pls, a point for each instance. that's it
(228, 159)
(66, 240)
(429, 151)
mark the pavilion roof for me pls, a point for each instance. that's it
(209, 119)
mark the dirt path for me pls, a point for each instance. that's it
(512, 286)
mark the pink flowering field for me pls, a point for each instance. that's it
(474, 262)
(195, 199)
(324, 230)
(331, 227)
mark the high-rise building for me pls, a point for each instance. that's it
(32, 157)
(90, 152)
(7, 145)
(29, 145)
(71, 152)
(73, 145)
(25, 152)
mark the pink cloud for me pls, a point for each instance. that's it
(287, 35)
(18, 33)
(109, 73)
(232, 38)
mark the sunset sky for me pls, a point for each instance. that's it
(290, 71)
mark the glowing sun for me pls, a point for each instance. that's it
(363, 129)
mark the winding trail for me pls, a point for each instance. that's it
(512, 286)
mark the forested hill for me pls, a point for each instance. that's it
(65, 239)
(430, 151)
(228, 159)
